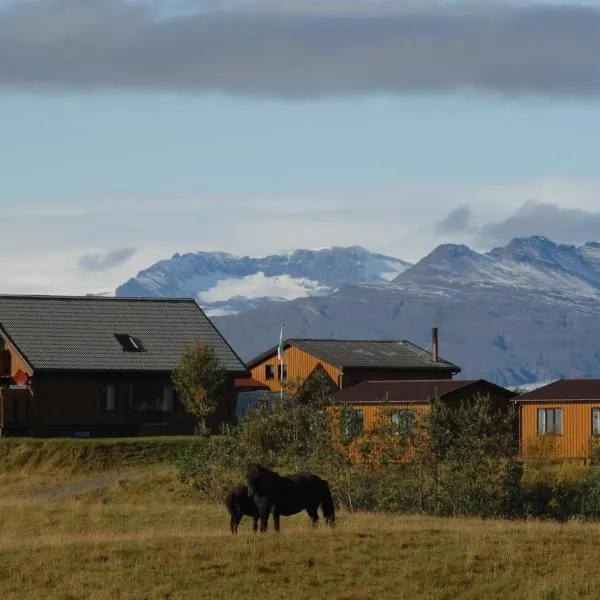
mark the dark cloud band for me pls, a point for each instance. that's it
(103, 262)
(549, 50)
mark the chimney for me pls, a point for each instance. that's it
(434, 345)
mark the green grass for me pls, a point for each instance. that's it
(88, 455)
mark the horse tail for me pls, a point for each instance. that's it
(327, 504)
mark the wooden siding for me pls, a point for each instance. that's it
(576, 426)
(371, 418)
(299, 365)
(371, 412)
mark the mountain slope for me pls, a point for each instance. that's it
(227, 284)
(514, 315)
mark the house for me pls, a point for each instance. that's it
(348, 362)
(560, 419)
(95, 366)
(409, 400)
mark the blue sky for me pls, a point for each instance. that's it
(111, 161)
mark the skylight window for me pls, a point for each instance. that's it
(129, 343)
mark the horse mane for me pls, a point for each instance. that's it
(260, 469)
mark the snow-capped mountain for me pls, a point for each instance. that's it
(521, 313)
(226, 284)
(518, 314)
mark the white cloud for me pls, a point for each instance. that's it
(40, 255)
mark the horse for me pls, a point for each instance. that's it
(240, 503)
(289, 495)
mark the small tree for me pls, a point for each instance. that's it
(198, 380)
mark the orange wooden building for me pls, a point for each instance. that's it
(409, 400)
(348, 362)
(560, 420)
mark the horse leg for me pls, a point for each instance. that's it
(276, 520)
(264, 519)
(313, 514)
(254, 523)
(234, 522)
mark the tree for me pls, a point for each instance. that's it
(198, 380)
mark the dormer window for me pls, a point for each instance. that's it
(129, 343)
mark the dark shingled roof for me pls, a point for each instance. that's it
(421, 390)
(565, 390)
(373, 354)
(78, 333)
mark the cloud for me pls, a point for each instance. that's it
(102, 262)
(458, 221)
(566, 225)
(303, 51)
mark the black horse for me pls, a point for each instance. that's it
(239, 503)
(286, 496)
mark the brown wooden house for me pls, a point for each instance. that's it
(560, 420)
(407, 401)
(94, 366)
(348, 362)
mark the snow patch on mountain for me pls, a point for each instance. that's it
(258, 285)
(225, 284)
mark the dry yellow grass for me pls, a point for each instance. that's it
(139, 539)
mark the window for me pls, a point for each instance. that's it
(167, 403)
(403, 422)
(147, 397)
(352, 424)
(5, 362)
(110, 398)
(129, 343)
(549, 421)
(269, 372)
(282, 372)
(595, 421)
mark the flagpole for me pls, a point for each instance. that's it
(280, 356)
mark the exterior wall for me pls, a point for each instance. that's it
(66, 404)
(299, 366)
(576, 425)
(15, 408)
(372, 411)
(354, 376)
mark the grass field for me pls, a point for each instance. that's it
(141, 537)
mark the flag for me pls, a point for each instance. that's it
(280, 345)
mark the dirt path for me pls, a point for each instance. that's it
(68, 489)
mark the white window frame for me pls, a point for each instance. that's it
(548, 423)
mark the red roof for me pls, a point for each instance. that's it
(419, 390)
(565, 390)
(249, 383)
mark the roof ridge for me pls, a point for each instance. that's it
(295, 339)
(404, 381)
(99, 298)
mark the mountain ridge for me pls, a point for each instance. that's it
(516, 314)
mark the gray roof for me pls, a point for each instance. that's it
(374, 354)
(78, 333)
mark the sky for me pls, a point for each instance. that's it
(132, 130)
